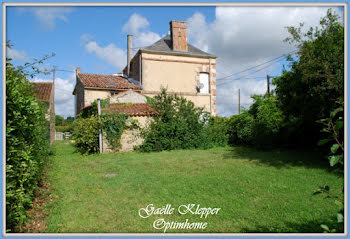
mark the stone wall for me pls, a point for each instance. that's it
(129, 138)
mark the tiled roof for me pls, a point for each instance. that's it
(42, 90)
(106, 81)
(137, 109)
(165, 45)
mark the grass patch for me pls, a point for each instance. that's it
(257, 191)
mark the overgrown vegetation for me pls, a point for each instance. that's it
(85, 134)
(27, 145)
(178, 124)
(259, 126)
(86, 128)
(64, 125)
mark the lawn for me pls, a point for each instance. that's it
(257, 191)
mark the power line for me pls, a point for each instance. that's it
(250, 68)
(240, 78)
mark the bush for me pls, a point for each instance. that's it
(85, 134)
(260, 125)
(216, 132)
(177, 125)
(27, 145)
(240, 129)
(64, 128)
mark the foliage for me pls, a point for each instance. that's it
(93, 110)
(240, 128)
(64, 128)
(333, 126)
(260, 125)
(216, 132)
(27, 145)
(309, 91)
(113, 125)
(178, 124)
(59, 120)
(85, 134)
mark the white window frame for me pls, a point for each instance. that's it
(204, 79)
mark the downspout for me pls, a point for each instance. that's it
(210, 91)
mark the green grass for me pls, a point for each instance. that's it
(257, 191)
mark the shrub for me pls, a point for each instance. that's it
(240, 129)
(177, 125)
(260, 125)
(85, 134)
(216, 132)
(27, 145)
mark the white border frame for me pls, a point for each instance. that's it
(185, 4)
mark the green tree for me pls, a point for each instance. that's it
(59, 120)
(310, 90)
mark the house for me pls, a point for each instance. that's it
(44, 92)
(180, 67)
(170, 62)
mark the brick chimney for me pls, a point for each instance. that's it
(77, 70)
(178, 35)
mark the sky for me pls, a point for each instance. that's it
(94, 39)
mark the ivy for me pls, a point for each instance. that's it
(113, 125)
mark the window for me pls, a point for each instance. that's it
(204, 79)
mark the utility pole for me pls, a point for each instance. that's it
(268, 84)
(100, 130)
(52, 109)
(239, 101)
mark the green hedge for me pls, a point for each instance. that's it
(27, 145)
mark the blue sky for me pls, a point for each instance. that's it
(94, 38)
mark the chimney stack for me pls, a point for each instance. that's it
(129, 52)
(178, 34)
(77, 70)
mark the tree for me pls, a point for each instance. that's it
(59, 120)
(310, 90)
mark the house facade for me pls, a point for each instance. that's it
(178, 66)
(44, 92)
(169, 63)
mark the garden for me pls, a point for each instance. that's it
(276, 167)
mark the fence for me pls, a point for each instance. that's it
(63, 136)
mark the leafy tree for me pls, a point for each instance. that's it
(178, 124)
(316, 81)
(59, 120)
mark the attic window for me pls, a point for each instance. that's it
(204, 79)
(113, 93)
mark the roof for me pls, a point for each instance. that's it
(42, 90)
(137, 109)
(165, 45)
(106, 81)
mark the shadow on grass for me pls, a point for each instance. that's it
(281, 158)
(301, 227)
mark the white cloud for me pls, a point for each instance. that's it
(48, 15)
(15, 55)
(242, 37)
(116, 56)
(135, 23)
(145, 38)
(64, 100)
(113, 55)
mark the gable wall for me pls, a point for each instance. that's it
(180, 75)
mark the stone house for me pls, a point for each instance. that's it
(180, 67)
(44, 92)
(170, 62)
